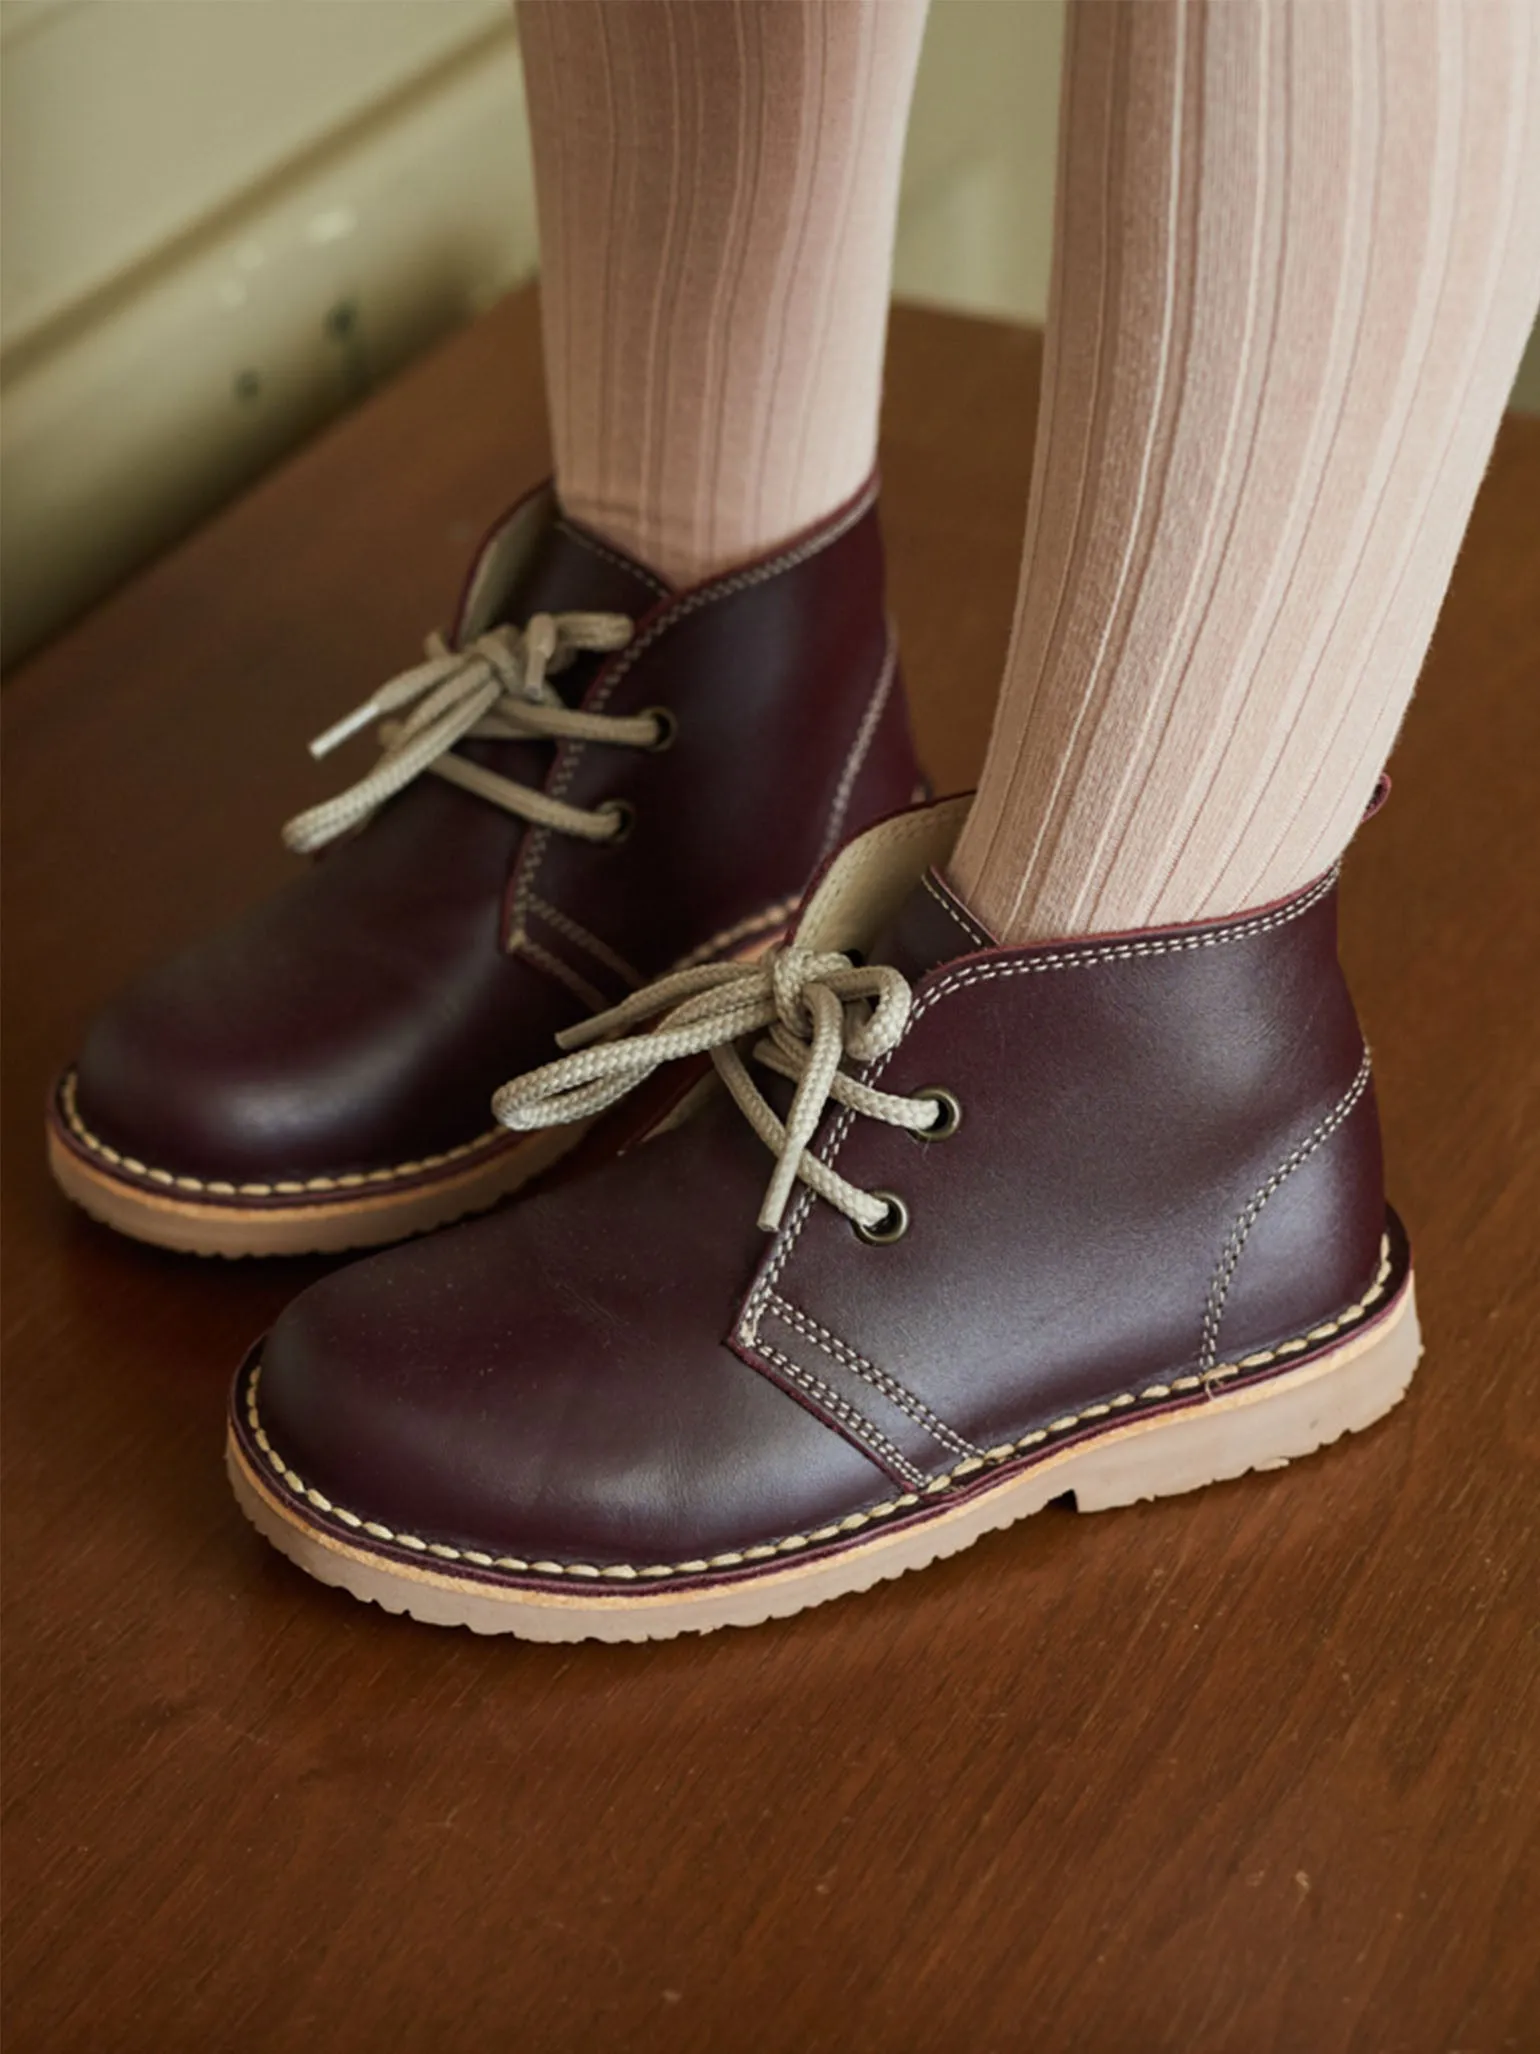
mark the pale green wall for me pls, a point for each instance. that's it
(193, 188)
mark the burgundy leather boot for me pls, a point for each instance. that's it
(1101, 1217)
(620, 779)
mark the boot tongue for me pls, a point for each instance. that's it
(930, 928)
(539, 560)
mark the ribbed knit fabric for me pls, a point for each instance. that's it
(1297, 254)
(717, 184)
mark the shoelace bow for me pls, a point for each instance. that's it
(494, 689)
(815, 1006)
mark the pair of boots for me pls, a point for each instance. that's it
(891, 1235)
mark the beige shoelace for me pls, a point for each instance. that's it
(494, 689)
(820, 1008)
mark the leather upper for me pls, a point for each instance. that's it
(361, 1019)
(1168, 1161)
(1097, 1220)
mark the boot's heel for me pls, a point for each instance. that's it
(1261, 1427)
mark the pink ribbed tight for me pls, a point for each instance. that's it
(1297, 254)
(717, 184)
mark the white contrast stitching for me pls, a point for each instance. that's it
(524, 944)
(858, 748)
(1230, 1254)
(757, 923)
(708, 595)
(898, 1394)
(764, 1290)
(1125, 951)
(353, 1180)
(342, 1181)
(636, 570)
(988, 973)
(853, 1521)
(871, 1436)
(959, 915)
(570, 754)
(589, 943)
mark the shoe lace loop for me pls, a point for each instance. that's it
(821, 1010)
(494, 689)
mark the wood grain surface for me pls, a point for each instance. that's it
(1254, 1770)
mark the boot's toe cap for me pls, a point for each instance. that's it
(265, 1055)
(158, 1080)
(499, 1388)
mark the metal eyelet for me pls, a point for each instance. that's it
(625, 816)
(949, 1119)
(893, 1225)
(667, 726)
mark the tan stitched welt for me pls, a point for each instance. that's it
(350, 1180)
(752, 929)
(771, 918)
(570, 754)
(625, 1572)
(970, 972)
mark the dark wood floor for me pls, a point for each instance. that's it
(1255, 1770)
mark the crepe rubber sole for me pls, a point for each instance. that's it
(325, 1217)
(1261, 1424)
